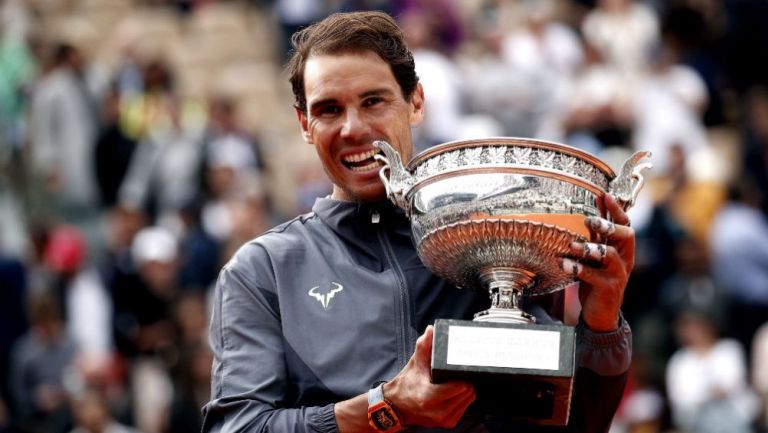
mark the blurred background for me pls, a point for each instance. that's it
(141, 142)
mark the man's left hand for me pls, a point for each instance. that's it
(603, 266)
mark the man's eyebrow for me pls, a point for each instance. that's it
(322, 103)
(376, 92)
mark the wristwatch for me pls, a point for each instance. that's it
(381, 415)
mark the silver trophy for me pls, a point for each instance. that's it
(498, 214)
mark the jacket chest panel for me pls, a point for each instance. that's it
(341, 321)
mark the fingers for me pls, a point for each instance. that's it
(593, 275)
(595, 257)
(423, 360)
(615, 211)
(589, 251)
(457, 409)
(608, 230)
(423, 351)
(420, 402)
(615, 228)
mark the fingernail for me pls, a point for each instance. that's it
(571, 267)
(592, 222)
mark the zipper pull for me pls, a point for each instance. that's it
(375, 217)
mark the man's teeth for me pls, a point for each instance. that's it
(371, 166)
(360, 156)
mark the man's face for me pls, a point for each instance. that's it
(352, 101)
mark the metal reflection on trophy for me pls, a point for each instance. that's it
(498, 214)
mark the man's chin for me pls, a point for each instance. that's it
(370, 194)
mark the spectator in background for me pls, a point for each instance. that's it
(117, 267)
(667, 111)
(18, 68)
(145, 106)
(446, 22)
(145, 332)
(233, 160)
(200, 253)
(192, 371)
(707, 379)
(738, 239)
(624, 32)
(548, 54)
(643, 406)
(247, 214)
(293, 15)
(38, 365)
(64, 124)
(597, 110)
(224, 132)
(92, 414)
(143, 311)
(693, 286)
(164, 173)
(693, 30)
(114, 149)
(192, 389)
(442, 84)
(84, 300)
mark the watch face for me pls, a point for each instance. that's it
(384, 419)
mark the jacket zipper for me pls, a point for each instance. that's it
(404, 305)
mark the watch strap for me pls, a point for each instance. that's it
(376, 394)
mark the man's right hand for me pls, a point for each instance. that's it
(422, 403)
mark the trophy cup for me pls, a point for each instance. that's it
(497, 214)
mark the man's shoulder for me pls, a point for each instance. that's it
(291, 235)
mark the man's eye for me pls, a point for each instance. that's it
(329, 110)
(372, 101)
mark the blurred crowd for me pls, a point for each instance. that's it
(143, 141)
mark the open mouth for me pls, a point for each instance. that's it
(363, 161)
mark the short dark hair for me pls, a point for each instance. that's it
(352, 32)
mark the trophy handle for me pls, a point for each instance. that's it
(396, 178)
(627, 185)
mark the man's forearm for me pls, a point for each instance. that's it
(352, 415)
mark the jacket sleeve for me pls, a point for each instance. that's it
(249, 384)
(603, 367)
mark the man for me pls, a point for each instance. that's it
(64, 126)
(315, 312)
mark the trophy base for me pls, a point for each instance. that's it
(520, 371)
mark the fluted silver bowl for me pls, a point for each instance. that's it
(498, 213)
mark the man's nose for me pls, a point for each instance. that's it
(354, 124)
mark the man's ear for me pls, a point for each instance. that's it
(417, 106)
(302, 116)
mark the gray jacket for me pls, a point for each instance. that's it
(320, 308)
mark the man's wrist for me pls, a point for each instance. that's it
(382, 415)
(602, 325)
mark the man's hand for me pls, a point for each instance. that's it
(422, 403)
(603, 266)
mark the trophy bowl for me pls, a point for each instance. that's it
(498, 214)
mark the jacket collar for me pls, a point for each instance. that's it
(356, 221)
